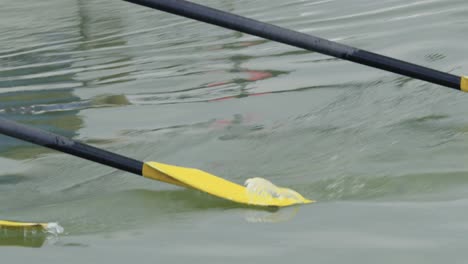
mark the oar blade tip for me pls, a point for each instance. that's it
(263, 192)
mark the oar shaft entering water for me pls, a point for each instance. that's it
(64, 144)
(305, 41)
(262, 193)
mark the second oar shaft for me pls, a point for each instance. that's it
(64, 144)
(301, 40)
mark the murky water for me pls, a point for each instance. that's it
(384, 155)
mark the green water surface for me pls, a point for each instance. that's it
(385, 156)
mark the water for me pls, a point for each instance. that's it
(384, 156)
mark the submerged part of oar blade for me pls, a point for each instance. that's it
(464, 84)
(214, 185)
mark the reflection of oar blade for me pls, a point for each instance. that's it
(22, 236)
(301, 40)
(185, 177)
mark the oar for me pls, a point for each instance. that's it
(259, 192)
(301, 40)
(53, 228)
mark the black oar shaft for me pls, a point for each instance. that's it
(301, 40)
(64, 144)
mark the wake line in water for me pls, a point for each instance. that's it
(72, 42)
(97, 102)
(425, 186)
(374, 12)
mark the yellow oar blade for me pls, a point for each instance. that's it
(464, 83)
(5, 223)
(258, 192)
(47, 227)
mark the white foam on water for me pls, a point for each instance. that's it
(54, 228)
(266, 189)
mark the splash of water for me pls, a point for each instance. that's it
(264, 189)
(54, 228)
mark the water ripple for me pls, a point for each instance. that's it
(153, 85)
